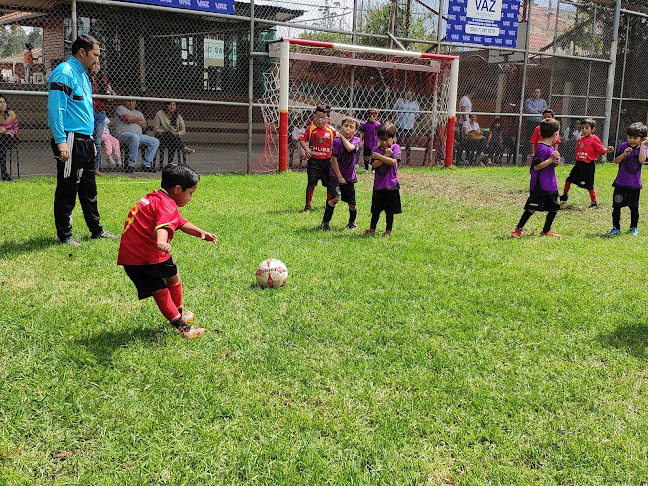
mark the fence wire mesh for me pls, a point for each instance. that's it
(204, 64)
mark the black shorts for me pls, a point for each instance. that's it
(318, 170)
(582, 174)
(386, 200)
(367, 151)
(150, 278)
(625, 196)
(344, 192)
(543, 202)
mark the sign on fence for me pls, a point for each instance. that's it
(216, 6)
(488, 22)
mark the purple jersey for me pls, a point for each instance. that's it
(346, 160)
(370, 131)
(629, 168)
(385, 177)
(543, 181)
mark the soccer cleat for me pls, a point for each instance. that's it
(634, 231)
(370, 231)
(564, 198)
(187, 316)
(190, 332)
(103, 234)
(353, 224)
(307, 208)
(325, 226)
(387, 233)
(593, 206)
(615, 231)
(550, 233)
(517, 232)
(70, 241)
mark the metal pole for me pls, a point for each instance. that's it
(524, 73)
(589, 71)
(553, 59)
(284, 86)
(353, 55)
(625, 58)
(609, 92)
(73, 19)
(250, 89)
(452, 110)
(440, 25)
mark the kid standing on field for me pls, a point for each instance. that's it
(631, 155)
(317, 141)
(368, 131)
(146, 244)
(342, 177)
(537, 138)
(543, 184)
(588, 149)
(386, 191)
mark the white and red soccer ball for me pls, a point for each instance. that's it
(271, 273)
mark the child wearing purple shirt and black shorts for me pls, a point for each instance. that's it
(631, 155)
(543, 184)
(368, 131)
(386, 190)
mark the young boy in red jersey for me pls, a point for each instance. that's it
(317, 141)
(537, 138)
(588, 149)
(146, 244)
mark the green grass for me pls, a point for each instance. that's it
(447, 354)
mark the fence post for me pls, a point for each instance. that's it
(284, 85)
(452, 110)
(609, 92)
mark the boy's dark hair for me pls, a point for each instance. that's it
(323, 109)
(637, 129)
(548, 127)
(84, 41)
(179, 175)
(386, 130)
(350, 119)
(589, 121)
(549, 110)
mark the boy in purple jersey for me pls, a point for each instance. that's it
(386, 190)
(368, 131)
(631, 155)
(543, 185)
(342, 177)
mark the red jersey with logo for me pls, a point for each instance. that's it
(320, 141)
(589, 149)
(138, 244)
(537, 138)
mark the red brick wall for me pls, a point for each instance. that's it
(52, 40)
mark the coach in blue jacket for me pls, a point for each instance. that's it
(71, 118)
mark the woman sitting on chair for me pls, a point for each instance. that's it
(8, 135)
(169, 127)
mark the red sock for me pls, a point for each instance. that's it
(592, 194)
(567, 186)
(309, 194)
(176, 294)
(165, 303)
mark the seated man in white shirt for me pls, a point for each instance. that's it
(128, 130)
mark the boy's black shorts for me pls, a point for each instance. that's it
(582, 174)
(344, 192)
(367, 151)
(543, 202)
(386, 200)
(318, 170)
(150, 278)
(625, 196)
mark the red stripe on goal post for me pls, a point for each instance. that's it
(283, 141)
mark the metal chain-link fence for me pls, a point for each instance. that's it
(212, 66)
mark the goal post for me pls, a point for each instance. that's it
(353, 79)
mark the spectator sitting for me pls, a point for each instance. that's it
(8, 135)
(472, 135)
(169, 127)
(128, 130)
(111, 146)
(495, 142)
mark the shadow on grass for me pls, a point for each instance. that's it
(9, 248)
(631, 338)
(103, 344)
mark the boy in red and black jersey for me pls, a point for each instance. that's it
(317, 141)
(146, 244)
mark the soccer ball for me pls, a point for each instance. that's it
(271, 273)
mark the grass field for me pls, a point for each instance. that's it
(446, 354)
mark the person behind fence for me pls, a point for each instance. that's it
(129, 126)
(169, 127)
(543, 184)
(495, 142)
(534, 105)
(368, 135)
(101, 86)
(407, 111)
(111, 146)
(472, 136)
(145, 248)
(386, 190)
(317, 142)
(588, 149)
(536, 138)
(28, 62)
(630, 156)
(342, 177)
(8, 135)
(293, 144)
(70, 117)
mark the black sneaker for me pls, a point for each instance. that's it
(129, 169)
(307, 208)
(70, 241)
(593, 206)
(564, 198)
(103, 234)
(325, 226)
(353, 225)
